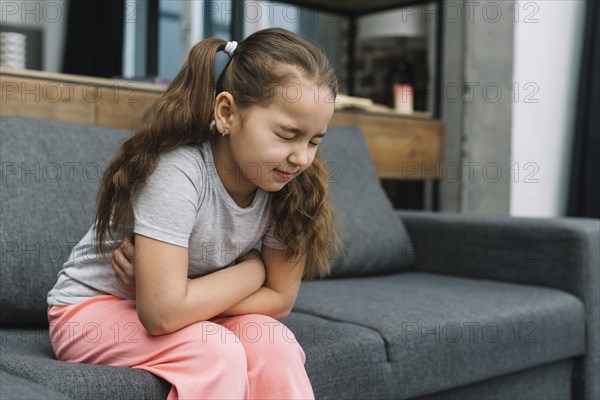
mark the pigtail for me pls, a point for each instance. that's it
(305, 220)
(180, 116)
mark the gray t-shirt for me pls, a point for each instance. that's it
(184, 203)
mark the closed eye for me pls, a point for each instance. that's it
(289, 139)
(283, 137)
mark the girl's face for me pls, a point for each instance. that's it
(277, 143)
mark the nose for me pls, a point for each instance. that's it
(299, 156)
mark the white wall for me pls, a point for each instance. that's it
(48, 16)
(547, 55)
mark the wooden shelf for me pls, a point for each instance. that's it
(401, 147)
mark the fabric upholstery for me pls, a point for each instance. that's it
(50, 173)
(549, 382)
(445, 330)
(561, 253)
(374, 238)
(357, 331)
(342, 361)
(12, 388)
(27, 352)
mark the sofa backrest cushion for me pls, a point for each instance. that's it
(50, 174)
(375, 239)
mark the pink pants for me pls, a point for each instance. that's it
(243, 357)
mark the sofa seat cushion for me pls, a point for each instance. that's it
(342, 361)
(28, 353)
(13, 387)
(443, 331)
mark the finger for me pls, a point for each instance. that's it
(118, 271)
(118, 255)
(122, 282)
(119, 268)
(122, 256)
(118, 276)
(121, 275)
(128, 250)
(122, 267)
(125, 266)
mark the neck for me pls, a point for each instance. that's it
(239, 188)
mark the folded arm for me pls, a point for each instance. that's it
(166, 300)
(277, 297)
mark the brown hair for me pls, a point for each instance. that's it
(182, 114)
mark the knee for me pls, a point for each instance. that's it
(217, 342)
(266, 335)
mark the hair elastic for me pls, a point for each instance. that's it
(230, 48)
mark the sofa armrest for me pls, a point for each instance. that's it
(556, 252)
(562, 253)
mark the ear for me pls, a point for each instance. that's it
(224, 111)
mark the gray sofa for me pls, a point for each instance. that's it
(424, 304)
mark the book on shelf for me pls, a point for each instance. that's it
(344, 102)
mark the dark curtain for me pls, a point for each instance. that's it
(94, 34)
(584, 196)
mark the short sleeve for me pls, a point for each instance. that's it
(269, 239)
(166, 205)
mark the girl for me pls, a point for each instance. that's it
(214, 173)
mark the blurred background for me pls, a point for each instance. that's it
(515, 83)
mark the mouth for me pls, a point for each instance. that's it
(285, 175)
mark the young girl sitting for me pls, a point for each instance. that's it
(225, 197)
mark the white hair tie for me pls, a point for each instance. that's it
(230, 48)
